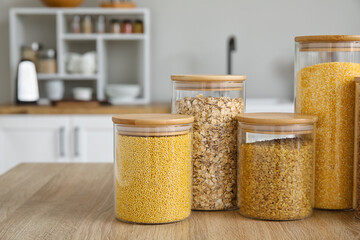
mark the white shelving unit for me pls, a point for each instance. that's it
(122, 58)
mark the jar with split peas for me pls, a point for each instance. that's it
(275, 165)
(325, 67)
(214, 101)
(152, 167)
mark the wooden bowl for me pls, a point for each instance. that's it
(62, 3)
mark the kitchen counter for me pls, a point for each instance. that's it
(75, 201)
(108, 109)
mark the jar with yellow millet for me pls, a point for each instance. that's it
(153, 167)
(275, 165)
(325, 67)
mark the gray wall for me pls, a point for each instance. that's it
(190, 37)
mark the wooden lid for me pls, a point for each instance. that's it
(208, 78)
(152, 119)
(328, 38)
(276, 118)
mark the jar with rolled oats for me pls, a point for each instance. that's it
(214, 101)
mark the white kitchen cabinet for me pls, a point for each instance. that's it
(54, 138)
(32, 139)
(92, 139)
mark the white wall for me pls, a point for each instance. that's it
(190, 37)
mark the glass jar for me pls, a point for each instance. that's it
(115, 26)
(325, 67)
(75, 24)
(126, 26)
(47, 61)
(356, 197)
(152, 167)
(214, 101)
(138, 27)
(87, 26)
(275, 165)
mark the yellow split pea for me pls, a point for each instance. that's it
(327, 91)
(153, 178)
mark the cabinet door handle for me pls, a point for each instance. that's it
(76, 142)
(62, 141)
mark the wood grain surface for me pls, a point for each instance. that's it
(75, 201)
(150, 108)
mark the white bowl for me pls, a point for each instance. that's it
(82, 93)
(122, 91)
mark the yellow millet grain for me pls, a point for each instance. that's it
(275, 179)
(327, 91)
(153, 178)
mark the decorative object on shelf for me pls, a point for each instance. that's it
(81, 63)
(62, 3)
(54, 89)
(100, 24)
(152, 167)
(275, 165)
(115, 25)
(47, 61)
(27, 86)
(88, 63)
(325, 67)
(126, 26)
(76, 24)
(82, 93)
(87, 26)
(117, 4)
(31, 52)
(214, 101)
(120, 93)
(138, 26)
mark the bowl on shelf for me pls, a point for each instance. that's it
(82, 93)
(125, 92)
(62, 3)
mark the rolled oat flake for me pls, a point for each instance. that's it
(214, 101)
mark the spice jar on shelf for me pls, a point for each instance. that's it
(75, 24)
(138, 27)
(115, 26)
(275, 165)
(152, 167)
(214, 101)
(87, 26)
(126, 26)
(47, 61)
(325, 67)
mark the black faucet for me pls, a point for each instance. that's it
(231, 48)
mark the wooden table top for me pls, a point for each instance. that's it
(149, 108)
(75, 201)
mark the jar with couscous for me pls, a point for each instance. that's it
(275, 165)
(152, 167)
(325, 67)
(214, 101)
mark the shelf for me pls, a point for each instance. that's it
(120, 57)
(104, 36)
(66, 77)
(80, 11)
